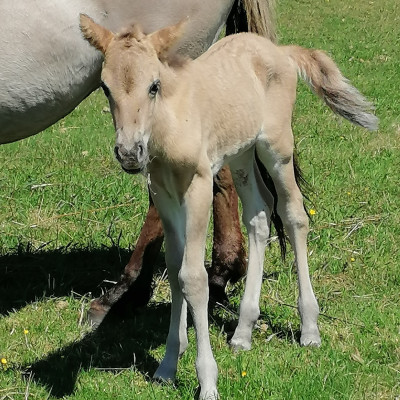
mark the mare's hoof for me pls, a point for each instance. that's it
(217, 294)
(165, 373)
(311, 339)
(96, 314)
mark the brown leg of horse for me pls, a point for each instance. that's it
(134, 285)
(229, 255)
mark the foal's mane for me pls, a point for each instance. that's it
(130, 33)
(134, 33)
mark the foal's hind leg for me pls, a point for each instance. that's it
(256, 218)
(295, 221)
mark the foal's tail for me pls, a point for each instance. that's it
(326, 80)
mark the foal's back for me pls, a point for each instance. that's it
(245, 84)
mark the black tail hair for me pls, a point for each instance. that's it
(237, 19)
(269, 183)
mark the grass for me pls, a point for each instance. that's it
(69, 218)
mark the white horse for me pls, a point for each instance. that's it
(180, 121)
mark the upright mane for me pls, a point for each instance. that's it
(134, 33)
(130, 34)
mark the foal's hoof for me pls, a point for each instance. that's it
(209, 394)
(96, 314)
(310, 338)
(240, 345)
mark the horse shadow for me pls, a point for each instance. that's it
(115, 345)
(124, 338)
(27, 275)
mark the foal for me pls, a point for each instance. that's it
(179, 122)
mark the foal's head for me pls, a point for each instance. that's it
(131, 81)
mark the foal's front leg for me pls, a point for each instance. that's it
(185, 227)
(193, 278)
(173, 218)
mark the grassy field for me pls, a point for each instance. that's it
(69, 218)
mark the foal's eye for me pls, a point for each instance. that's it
(105, 88)
(154, 88)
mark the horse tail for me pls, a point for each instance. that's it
(257, 16)
(323, 76)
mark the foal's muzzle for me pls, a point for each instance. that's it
(133, 160)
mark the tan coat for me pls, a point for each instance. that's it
(179, 122)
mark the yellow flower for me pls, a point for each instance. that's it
(312, 212)
(349, 193)
(26, 331)
(3, 361)
(352, 259)
(244, 373)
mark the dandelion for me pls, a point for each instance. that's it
(349, 193)
(352, 259)
(3, 362)
(26, 331)
(312, 212)
(244, 373)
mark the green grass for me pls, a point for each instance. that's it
(69, 218)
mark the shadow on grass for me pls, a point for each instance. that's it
(125, 337)
(116, 344)
(27, 275)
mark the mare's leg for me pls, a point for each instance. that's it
(290, 208)
(228, 260)
(256, 218)
(229, 255)
(145, 254)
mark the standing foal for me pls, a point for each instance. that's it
(179, 121)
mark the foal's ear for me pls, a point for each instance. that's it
(95, 34)
(164, 39)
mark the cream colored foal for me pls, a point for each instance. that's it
(179, 121)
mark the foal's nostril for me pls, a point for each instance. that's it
(140, 151)
(116, 153)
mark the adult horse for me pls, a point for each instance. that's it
(50, 69)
